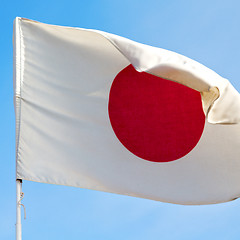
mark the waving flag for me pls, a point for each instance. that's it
(98, 111)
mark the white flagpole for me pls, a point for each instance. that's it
(18, 208)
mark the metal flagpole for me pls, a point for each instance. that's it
(18, 208)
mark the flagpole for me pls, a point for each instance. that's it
(18, 209)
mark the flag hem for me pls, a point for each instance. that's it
(17, 81)
(132, 195)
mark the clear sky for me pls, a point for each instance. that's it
(207, 31)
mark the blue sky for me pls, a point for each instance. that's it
(207, 31)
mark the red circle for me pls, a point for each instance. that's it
(154, 118)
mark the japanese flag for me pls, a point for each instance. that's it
(98, 111)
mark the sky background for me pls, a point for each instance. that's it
(206, 31)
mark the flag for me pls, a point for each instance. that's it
(102, 112)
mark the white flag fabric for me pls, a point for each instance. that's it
(98, 111)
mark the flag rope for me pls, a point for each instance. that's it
(19, 202)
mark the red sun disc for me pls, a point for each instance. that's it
(154, 118)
